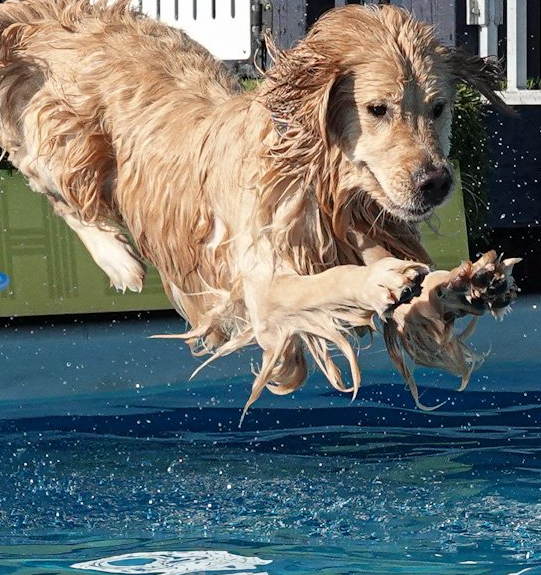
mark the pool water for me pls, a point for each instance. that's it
(321, 501)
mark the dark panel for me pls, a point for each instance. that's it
(515, 179)
(288, 21)
(534, 39)
(441, 13)
(466, 36)
(315, 8)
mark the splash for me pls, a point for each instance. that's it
(174, 563)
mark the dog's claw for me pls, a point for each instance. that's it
(487, 284)
(411, 291)
(407, 294)
(424, 329)
(403, 284)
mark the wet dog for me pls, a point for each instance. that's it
(285, 217)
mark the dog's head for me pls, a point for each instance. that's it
(376, 83)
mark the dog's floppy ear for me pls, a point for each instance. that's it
(483, 74)
(297, 88)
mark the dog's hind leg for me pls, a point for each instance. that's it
(112, 251)
(108, 246)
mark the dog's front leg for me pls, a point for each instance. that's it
(368, 251)
(361, 290)
(288, 309)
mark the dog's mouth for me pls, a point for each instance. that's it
(412, 209)
(418, 204)
(416, 213)
(417, 200)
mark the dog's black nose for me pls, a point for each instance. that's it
(434, 185)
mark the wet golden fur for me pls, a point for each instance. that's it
(271, 216)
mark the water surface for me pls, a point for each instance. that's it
(322, 501)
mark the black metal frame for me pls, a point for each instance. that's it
(261, 24)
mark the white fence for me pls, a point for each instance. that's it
(222, 26)
(488, 16)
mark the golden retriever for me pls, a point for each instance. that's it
(285, 217)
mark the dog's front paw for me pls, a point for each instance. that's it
(474, 288)
(425, 328)
(395, 282)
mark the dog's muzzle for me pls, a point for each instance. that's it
(433, 186)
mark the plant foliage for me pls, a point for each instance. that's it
(469, 145)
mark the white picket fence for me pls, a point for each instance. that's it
(222, 26)
(488, 16)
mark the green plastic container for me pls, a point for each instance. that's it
(448, 246)
(52, 273)
(50, 270)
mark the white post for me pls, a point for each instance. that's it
(488, 40)
(516, 44)
(487, 14)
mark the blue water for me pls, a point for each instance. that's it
(331, 501)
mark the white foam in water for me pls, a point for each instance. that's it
(174, 563)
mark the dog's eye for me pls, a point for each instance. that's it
(437, 111)
(377, 110)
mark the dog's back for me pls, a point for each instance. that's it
(110, 114)
(68, 67)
